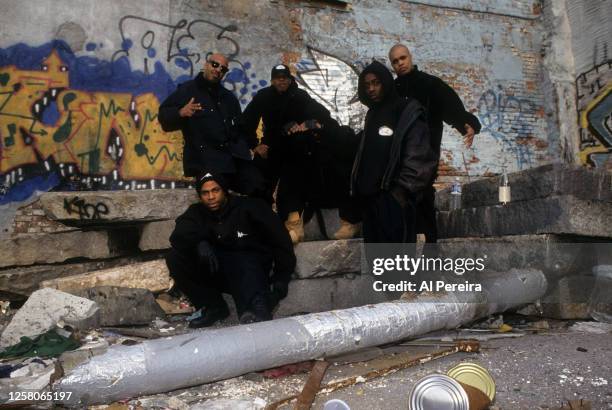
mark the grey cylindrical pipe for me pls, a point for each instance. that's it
(170, 363)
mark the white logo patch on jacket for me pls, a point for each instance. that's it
(385, 131)
(241, 234)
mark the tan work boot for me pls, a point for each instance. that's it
(347, 230)
(295, 226)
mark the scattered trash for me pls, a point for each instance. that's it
(173, 306)
(591, 327)
(307, 396)
(5, 306)
(288, 369)
(443, 392)
(474, 375)
(575, 405)
(49, 344)
(336, 404)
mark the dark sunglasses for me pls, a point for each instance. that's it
(214, 64)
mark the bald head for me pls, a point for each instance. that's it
(215, 67)
(401, 59)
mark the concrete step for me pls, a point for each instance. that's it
(536, 183)
(564, 214)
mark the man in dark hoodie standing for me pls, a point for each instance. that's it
(299, 145)
(395, 161)
(442, 104)
(227, 243)
(207, 114)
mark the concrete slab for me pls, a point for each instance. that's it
(156, 235)
(44, 309)
(557, 215)
(323, 294)
(327, 258)
(534, 183)
(152, 275)
(56, 247)
(101, 207)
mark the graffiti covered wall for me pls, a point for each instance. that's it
(80, 90)
(591, 40)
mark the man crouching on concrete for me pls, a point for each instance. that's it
(229, 244)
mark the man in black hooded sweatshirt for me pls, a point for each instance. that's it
(306, 149)
(394, 163)
(228, 243)
(441, 103)
(207, 114)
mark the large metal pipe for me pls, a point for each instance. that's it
(170, 363)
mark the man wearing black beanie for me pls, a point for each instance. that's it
(227, 243)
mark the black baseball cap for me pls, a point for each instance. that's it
(281, 70)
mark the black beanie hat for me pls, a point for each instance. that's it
(206, 176)
(281, 69)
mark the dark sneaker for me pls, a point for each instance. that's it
(209, 317)
(248, 317)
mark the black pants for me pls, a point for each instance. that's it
(306, 181)
(386, 221)
(426, 215)
(241, 274)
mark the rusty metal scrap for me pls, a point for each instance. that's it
(468, 346)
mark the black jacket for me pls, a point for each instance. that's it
(440, 101)
(411, 162)
(278, 111)
(211, 135)
(243, 224)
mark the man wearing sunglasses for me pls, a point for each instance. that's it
(206, 113)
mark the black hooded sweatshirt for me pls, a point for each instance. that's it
(395, 151)
(241, 225)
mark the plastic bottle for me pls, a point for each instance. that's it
(504, 188)
(455, 195)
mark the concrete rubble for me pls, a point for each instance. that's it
(44, 309)
(28, 250)
(123, 306)
(152, 275)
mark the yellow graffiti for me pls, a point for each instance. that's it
(586, 152)
(97, 132)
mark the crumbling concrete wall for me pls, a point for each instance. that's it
(81, 82)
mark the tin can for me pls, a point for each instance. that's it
(474, 375)
(438, 392)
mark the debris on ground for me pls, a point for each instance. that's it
(123, 306)
(44, 309)
(592, 327)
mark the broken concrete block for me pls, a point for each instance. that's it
(35, 376)
(556, 215)
(156, 235)
(329, 293)
(44, 309)
(101, 207)
(123, 306)
(536, 183)
(328, 258)
(19, 282)
(152, 275)
(70, 359)
(57, 247)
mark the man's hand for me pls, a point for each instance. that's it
(190, 108)
(468, 138)
(207, 258)
(297, 128)
(261, 150)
